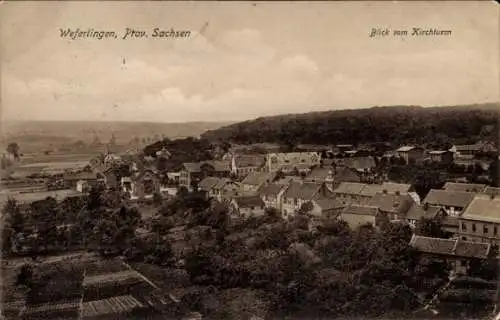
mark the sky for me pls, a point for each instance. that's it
(242, 60)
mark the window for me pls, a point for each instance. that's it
(285, 213)
(473, 227)
(485, 229)
(464, 227)
(495, 231)
(295, 201)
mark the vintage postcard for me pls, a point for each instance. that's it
(249, 160)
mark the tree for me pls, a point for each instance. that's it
(13, 215)
(13, 149)
(429, 228)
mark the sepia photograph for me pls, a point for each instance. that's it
(238, 160)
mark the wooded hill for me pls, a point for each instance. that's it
(396, 124)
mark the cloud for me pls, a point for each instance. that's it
(300, 63)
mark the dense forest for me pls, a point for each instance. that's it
(397, 124)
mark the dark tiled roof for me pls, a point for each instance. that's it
(258, 178)
(391, 187)
(272, 189)
(304, 191)
(243, 161)
(464, 187)
(392, 203)
(319, 174)
(432, 245)
(452, 247)
(350, 188)
(345, 174)
(359, 163)
(248, 201)
(416, 212)
(361, 210)
(208, 183)
(449, 198)
(217, 165)
(329, 203)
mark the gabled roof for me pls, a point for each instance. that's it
(464, 187)
(208, 183)
(449, 198)
(483, 208)
(391, 187)
(451, 247)
(303, 191)
(392, 203)
(350, 188)
(363, 210)
(248, 201)
(358, 163)
(272, 189)
(345, 174)
(329, 203)
(319, 174)
(416, 212)
(221, 183)
(258, 178)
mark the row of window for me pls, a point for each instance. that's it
(485, 228)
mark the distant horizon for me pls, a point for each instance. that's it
(250, 119)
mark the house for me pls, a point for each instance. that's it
(357, 192)
(71, 179)
(242, 165)
(410, 153)
(208, 184)
(395, 206)
(255, 180)
(456, 252)
(464, 187)
(82, 186)
(219, 188)
(359, 164)
(272, 194)
(144, 185)
(467, 150)
(480, 221)
(359, 215)
(298, 193)
(194, 172)
(275, 161)
(453, 202)
(321, 175)
(441, 156)
(418, 212)
(395, 188)
(327, 207)
(344, 174)
(342, 148)
(300, 169)
(244, 207)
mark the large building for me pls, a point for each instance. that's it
(481, 220)
(275, 161)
